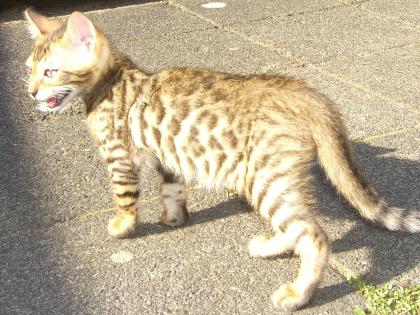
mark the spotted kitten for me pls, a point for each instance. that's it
(255, 134)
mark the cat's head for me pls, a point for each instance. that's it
(66, 59)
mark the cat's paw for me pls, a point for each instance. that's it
(256, 246)
(122, 225)
(289, 298)
(174, 218)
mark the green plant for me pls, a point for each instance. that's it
(387, 299)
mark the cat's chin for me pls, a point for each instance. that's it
(45, 108)
(57, 107)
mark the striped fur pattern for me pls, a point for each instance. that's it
(255, 134)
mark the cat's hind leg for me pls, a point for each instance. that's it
(174, 212)
(268, 246)
(284, 199)
(311, 244)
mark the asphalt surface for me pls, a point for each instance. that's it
(55, 254)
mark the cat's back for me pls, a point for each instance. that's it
(256, 97)
(218, 87)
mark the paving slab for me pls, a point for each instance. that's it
(203, 268)
(408, 13)
(241, 12)
(317, 35)
(364, 114)
(392, 73)
(55, 254)
(206, 48)
(163, 36)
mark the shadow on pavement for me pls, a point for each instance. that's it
(327, 294)
(11, 10)
(30, 281)
(220, 211)
(391, 253)
(397, 181)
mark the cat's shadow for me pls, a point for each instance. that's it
(390, 254)
(13, 9)
(217, 212)
(397, 180)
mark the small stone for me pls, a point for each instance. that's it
(121, 257)
(214, 5)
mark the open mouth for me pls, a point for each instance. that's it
(57, 99)
(57, 102)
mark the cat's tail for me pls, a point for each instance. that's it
(336, 157)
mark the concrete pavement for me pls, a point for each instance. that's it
(55, 255)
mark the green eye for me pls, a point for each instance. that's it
(49, 73)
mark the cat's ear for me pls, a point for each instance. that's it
(80, 33)
(39, 25)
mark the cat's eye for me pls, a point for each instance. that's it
(49, 73)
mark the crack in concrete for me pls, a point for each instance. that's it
(386, 134)
(292, 14)
(368, 53)
(84, 215)
(369, 12)
(282, 51)
(401, 22)
(341, 269)
(330, 8)
(163, 33)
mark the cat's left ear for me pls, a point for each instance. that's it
(80, 33)
(39, 25)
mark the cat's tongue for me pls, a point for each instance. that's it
(51, 102)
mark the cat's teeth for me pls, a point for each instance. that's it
(56, 100)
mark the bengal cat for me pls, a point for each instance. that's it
(256, 134)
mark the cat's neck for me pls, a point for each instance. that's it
(118, 69)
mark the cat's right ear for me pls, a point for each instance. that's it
(39, 25)
(80, 33)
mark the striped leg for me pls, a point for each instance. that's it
(173, 196)
(311, 244)
(285, 200)
(268, 246)
(124, 181)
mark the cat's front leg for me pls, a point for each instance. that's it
(125, 189)
(174, 212)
